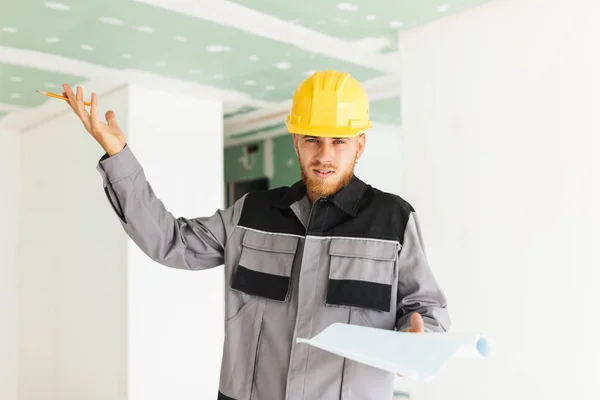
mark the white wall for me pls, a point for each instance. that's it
(176, 317)
(500, 109)
(96, 315)
(381, 163)
(72, 268)
(9, 231)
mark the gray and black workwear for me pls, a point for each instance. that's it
(291, 270)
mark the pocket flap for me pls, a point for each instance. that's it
(364, 248)
(265, 265)
(274, 243)
(361, 273)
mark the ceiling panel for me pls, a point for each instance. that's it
(126, 34)
(386, 110)
(360, 19)
(18, 84)
(239, 111)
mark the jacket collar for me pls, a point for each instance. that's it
(346, 199)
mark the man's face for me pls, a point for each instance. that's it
(327, 164)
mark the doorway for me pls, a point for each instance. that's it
(238, 189)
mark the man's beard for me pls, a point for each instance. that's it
(325, 187)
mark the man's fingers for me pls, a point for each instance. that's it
(78, 106)
(416, 323)
(79, 101)
(111, 119)
(94, 110)
(68, 100)
(69, 94)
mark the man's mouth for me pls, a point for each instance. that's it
(323, 173)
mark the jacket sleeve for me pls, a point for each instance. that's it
(182, 243)
(418, 290)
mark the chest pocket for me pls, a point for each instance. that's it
(265, 265)
(361, 273)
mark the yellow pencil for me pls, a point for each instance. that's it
(58, 96)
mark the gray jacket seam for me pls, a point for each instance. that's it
(127, 175)
(236, 220)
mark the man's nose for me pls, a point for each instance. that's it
(325, 154)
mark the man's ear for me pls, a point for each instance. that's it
(362, 142)
(295, 139)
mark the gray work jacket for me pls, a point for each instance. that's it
(291, 270)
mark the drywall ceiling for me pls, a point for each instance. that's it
(360, 20)
(250, 53)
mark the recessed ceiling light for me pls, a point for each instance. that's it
(144, 28)
(283, 65)
(194, 71)
(249, 82)
(16, 95)
(9, 29)
(180, 38)
(371, 17)
(87, 47)
(215, 48)
(443, 8)
(270, 87)
(374, 44)
(253, 58)
(127, 56)
(52, 40)
(16, 79)
(396, 24)
(347, 7)
(57, 6)
(111, 21)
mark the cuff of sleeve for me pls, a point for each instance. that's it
(118, 166)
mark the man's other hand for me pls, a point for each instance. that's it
(416, 324)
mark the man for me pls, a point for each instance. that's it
(330, 248)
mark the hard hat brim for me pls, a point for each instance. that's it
(326, 131)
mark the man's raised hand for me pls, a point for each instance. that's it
(107, 134)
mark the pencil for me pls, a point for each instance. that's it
(58, 96)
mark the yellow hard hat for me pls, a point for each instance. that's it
(329, 104)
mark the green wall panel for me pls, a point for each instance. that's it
(241, 167)
(285, 162)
